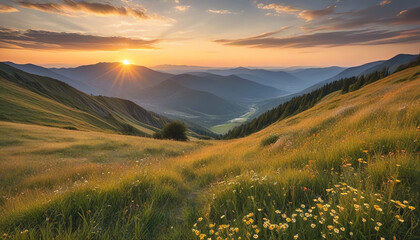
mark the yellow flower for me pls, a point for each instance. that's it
(296, 236)
(376, 228)
(313, 225)
(288, 219)
(200, 219)
(255, 236)
(411, 208)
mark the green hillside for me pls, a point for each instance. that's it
(41, 100)
(346, 168)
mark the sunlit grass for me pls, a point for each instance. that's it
(350, 159)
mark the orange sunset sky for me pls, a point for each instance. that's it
(219, 33)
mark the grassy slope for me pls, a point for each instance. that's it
(367, 138)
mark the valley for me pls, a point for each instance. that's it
(211, 99)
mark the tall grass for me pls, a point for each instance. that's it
(347, 168)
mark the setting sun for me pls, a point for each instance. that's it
(126, 62)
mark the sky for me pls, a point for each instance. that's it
(217, 33)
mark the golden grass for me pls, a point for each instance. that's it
(367, 139)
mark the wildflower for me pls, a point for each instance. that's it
(200, 219)
(363, 220)
(411, 208)
(343, 229)
(288, 219)
(330, 227)
(223, 216)
(211, 231)
(377, 228)
(351, 233)
(336, 230)
(255, 236)
(278, 211)
(313, 225)
(379, 224)
(296, 236)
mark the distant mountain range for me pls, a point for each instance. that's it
(276, 79)
(316, 74)
(114, 79)
(174, 96)
(230, 87)
(206, 96)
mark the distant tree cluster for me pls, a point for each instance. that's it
(304, 102)
(173, 130)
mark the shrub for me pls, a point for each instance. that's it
(269, 140)
(173, 130)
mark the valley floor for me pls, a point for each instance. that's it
(347, 168)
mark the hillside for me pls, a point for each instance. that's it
(329, 170)
(393, 63)
(230, 87)
(41, 100)
(41, 71)
(114, 79)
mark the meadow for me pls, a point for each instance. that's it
(348, 168)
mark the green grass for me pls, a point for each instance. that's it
(269, 140)
(339, 159)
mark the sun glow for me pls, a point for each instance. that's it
(126, 62)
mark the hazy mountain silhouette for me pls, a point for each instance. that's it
(114, 79)
(314, 75)
(175, 96)
(231, 87)
(277, 79)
